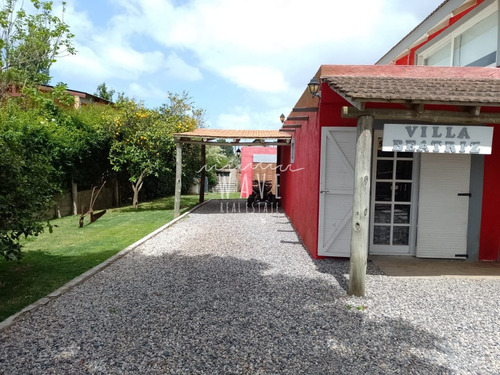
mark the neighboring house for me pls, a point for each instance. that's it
(81, 98)
(257, 163)
(227, 180)
(435, 153)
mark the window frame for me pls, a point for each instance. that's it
(461, 26)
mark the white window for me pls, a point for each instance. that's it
(292, 151)
(474, 43)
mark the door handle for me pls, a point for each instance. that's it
(324, 191)
(464, 195)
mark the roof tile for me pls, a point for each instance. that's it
(234, 134)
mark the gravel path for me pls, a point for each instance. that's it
(236, 293)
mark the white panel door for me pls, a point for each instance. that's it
(443, 206)
(336, 190)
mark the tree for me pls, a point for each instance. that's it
(28, 178)
(143, 143)
(30, 43)
(104, 92)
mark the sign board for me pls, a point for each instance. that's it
(265, 158)
(439, 139)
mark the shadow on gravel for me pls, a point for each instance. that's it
(208, 315)
(339, 268)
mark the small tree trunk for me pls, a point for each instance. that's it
(137, 188)
(74, 196)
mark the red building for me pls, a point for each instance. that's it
(432, 145)
(257, 163)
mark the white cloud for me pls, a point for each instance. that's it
(268, 48)
(130, 61)
(250, 42)
(147, 91)
(179, 69)
(245, 118)
(241, 121)
(258, 78)
(106, 52)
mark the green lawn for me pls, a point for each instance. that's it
(51, 260)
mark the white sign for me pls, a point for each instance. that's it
(440, 139)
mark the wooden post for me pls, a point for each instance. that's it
(178, 180)
(361, 207)
(202, 174)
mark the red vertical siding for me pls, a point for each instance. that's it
(300, 182)
(489, 245)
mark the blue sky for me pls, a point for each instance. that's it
(244, 62)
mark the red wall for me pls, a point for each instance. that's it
(247, 154)
(299, 184)
(489, 243)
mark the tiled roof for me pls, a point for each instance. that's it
(417, 84)
(234, 134)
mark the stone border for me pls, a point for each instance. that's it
(91, 272)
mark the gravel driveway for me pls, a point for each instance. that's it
(236, 293)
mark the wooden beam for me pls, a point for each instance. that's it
(305, 109)
(202, 174)
(178, 180)
(274, 143)
(426, 115)
(419, 108)
(475, 111)
(287, 130)
(285, 125)
(361, 207)
(297, 118)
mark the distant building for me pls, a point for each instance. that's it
(257, 164)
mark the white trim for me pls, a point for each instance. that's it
(449, 35)
(415, 36)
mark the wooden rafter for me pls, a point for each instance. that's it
(473, 116)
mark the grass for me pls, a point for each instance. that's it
(51, 260)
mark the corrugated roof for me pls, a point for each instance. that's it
(234, 134)
(443, 85)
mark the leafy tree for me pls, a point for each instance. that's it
(104, 92)
(227, 150)
(30, 43)
(28, 178)
(143, 143)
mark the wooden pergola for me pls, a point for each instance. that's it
(212, 137)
